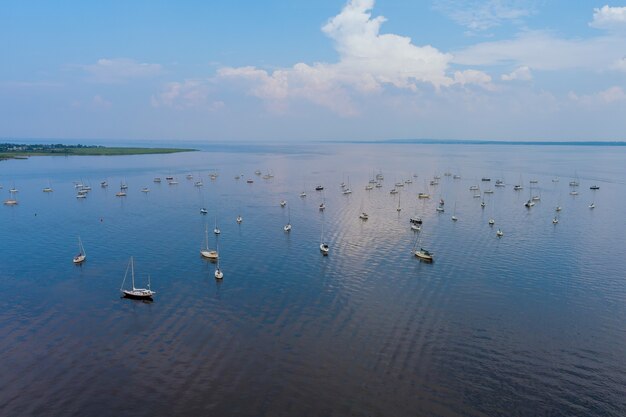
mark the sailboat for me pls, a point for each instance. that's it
(239, 219)
(399, 209)
(287, 227)
(363, 215)
(422, 253)
(218, 271)
(322, 206)
(346, 188)
(11, 201)
(415, 221)
(137, 293)
(48, 189)
(121, 192)
(216, 230)
(324, 248)
(499, 233)
(454, 218)
(555, 220)
(82, 255)
(530, 203)
(206, 252)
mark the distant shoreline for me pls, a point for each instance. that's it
(23, 151)
(477, 142)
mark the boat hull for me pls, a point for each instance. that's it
(423, 256)
(138, 294)
(209, 254)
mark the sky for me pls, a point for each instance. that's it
(280, 70)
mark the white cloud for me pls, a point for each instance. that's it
(117, 70)
(479, 15)
(610, 95)
(388, 58)
(473, 77)
(368, 62)
(608, 17)
(186, 94)
(542, 50)
(619, 65)
(522, 73)
(100, 103)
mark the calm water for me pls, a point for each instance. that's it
(533, 323)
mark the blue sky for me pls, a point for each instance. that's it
(284, 70)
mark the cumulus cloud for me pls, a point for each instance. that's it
(186, 94)
(388, 58)
(480, 15)
(369, 61)
(473, 77)
(117, 70)
(608, 17)
(610, 95)
(522, 73)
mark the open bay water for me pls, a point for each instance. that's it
(533, 323)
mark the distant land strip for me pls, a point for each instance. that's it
(23, 151)
(482, 142)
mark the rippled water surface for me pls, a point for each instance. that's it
(533, 323)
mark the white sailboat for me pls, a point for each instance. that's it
(454, 218)
(12, 201)
(239, 219)
(216, 229)
(120, 193)
(287, 227)
(324, 248)
(346, 188)
(136, 293)
(219, 274)
(82, 255)
(48, 189)
(322, 205)
(206, 252)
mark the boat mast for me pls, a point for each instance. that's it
(132, 271)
